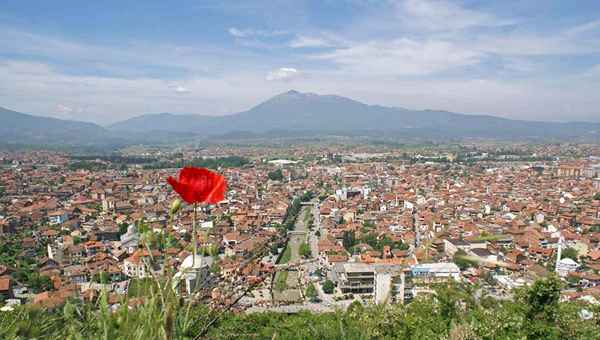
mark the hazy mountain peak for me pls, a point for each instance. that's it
(299, 112)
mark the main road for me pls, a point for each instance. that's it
(293, 291)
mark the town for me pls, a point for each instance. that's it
(316, 229)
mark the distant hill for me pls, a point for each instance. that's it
(289, 115)
(297, 112)
(21, 128)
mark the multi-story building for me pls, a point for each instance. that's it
(383, 282)
(435, 271)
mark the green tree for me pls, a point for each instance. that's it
(349, 240)
(311, 292)
(307, 196)
(570, 253)
(305, 250)
(328, 287)
(123, 228)
(38, 283)
(461, 259)
(541, 303)
(276, 175)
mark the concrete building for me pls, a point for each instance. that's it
(194, 272)
(130, 240)
(451, 246)
(383, 282)
(435, 271)
(566, 265)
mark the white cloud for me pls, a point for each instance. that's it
(442, 15)
(395, 59)
(587, 27)
(305, 41)
(181, 89)
(112, 99)
(592, 72)
(283, 73)
(401, 57)
(250, 32)
(236, 32)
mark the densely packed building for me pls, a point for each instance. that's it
(371, 223)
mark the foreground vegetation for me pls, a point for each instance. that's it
(452, 313)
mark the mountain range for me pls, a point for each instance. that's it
(290, 113)
(21, 128)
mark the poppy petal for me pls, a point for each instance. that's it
(196, 185)
(217, 194)
(183, 190)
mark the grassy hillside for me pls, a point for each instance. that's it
(452, 314)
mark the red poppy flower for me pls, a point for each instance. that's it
(197, 185)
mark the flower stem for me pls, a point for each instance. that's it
(194, 237)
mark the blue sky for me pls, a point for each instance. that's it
(104, 61)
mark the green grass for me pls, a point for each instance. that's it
(280, 281)
(307, 216)
(140, 287)
(453, 313)
(287, 255)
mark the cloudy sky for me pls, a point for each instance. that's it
(104, 61)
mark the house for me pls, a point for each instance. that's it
(5, 288)
(76, 274)
(74, 253)
(58, 217)
(137, 264)
(451, 246)
(130, 240)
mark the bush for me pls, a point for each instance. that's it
(328, 287)
(305, 250)
(311, 291)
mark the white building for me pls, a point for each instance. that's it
(130, 240)
(435, 271)
(383, 282)
(194, 271)
(566, 265)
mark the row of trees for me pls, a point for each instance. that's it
(349, 241)
(291, 214)
(211, 163)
